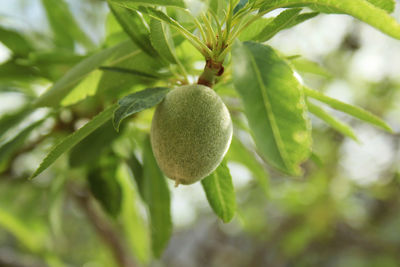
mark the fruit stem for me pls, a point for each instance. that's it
(176, 183)
(212, 70)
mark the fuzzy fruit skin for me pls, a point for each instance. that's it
(190, 133)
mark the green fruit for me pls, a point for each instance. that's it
(190, 133)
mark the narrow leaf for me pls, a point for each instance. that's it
(332, 121)
(65, 85)
(307, 66)
(387, 5)
(158, 200)
(133, 3)
(90, 148)
(18, 227)
(105, 188)
(277, 24)
(301, 18)
(349, 109)
(15, 41)
(218, 7)
(274, 105)
(220, 193)
(137, 170)
(161, 39)
(360, 9)
(138, 101)
(133, 24)
(254, 29)
(241, 154)
(10, 147)
(73, 139)
(9, 120)
(134, 227)
(130, 71)
(65, 28)
(240, 5)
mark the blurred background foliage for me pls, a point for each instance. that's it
(343, 212)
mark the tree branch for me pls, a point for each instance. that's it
(103, 227)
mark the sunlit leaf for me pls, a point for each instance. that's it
(73, 139)
(354, 111)
(66, 84)
(239, 153)
(220, 193)
(158, 200)
(301, 18)
(28, 238)
(178, 3)
(360, 9)
(161, 39)
(387, 5)
(65, 28)
(137, 233)
(134, 25)
(137, 170)
(8, 148)
(332, 121)
(254, 29)
(307, 66)
(274, 105)
(277, 24)
(9, 120)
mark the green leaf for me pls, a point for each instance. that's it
(67, 143)
(137, 169)
(158, 200)
(134, 25)
(105, 187)
(240, 5)
(87, 87)
(9, 120)
(254, 29)
(239, 153)
(387, 5)
(159, 15)
(220, 193)
(360, 9)
(349, 109)
(8, 148)
(133, 225)
(218, 7)
(56, 198)
(32, 240)
(134, 3)
(130, 71)
(15, 41)
(301, 18)
(126, 73)
(89, 149)
(277, 24)
(65, 28)
(138, 101)
(161, 39)
(274, 105)
(307, 66)
(333, 122)
(68, 82)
